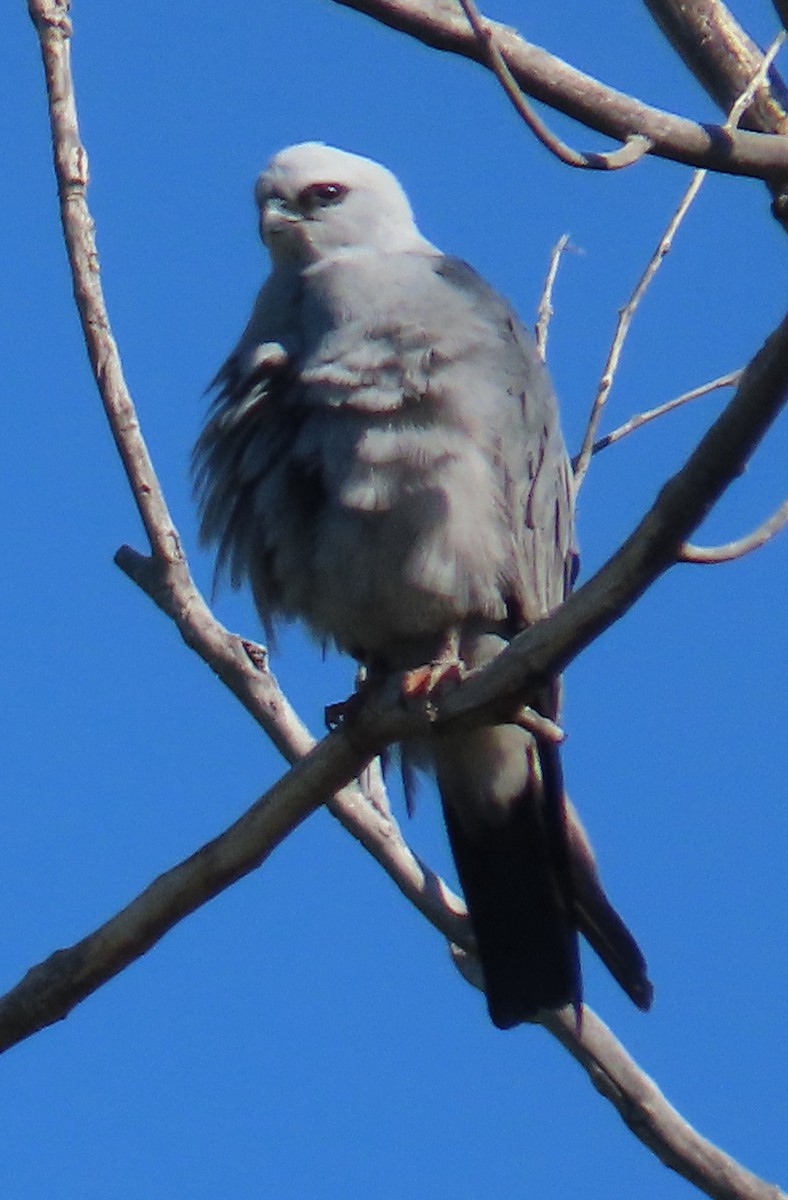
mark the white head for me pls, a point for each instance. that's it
(315, 200)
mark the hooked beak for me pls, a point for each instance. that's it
(277, 216)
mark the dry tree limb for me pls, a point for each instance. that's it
(544, 312)
(756, 85)
(634, 148)
(164, 575)
(651, 414)
(744, 545)
(49, 991)
(71, 168)
(650, 1116)
(547, 78)
(723, 58)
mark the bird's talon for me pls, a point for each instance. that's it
(432, 678)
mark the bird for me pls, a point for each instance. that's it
(383, 461)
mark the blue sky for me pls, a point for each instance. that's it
(305, 1034)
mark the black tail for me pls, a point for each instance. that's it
(525, 935)
(530, 883)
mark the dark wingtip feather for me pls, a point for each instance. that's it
(603, 928)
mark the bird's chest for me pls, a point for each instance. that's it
(393, 528)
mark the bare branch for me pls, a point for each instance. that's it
(50, 990)
(547, 78)
(545, 310)
(583, 458)
(723, 58)
(651, 414)
(633, 149)
(71, 167)
(757, 85)
(753, 541)
(650, 1116)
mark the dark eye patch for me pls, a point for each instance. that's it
(322, 195)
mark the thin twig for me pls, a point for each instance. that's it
(633, 149)
(544, 312)
(683, 502)
(651, 414)
(744, 545)
(626, 314)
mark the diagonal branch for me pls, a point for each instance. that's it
(723, 58)
(545, 649)
(165, 577)
(540, 652)
(651, 1117)
(71, 169)
(547, 78)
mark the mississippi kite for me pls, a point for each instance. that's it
(383, 460)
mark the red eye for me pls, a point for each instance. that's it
(323, 194)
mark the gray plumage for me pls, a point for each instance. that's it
(384, 461)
